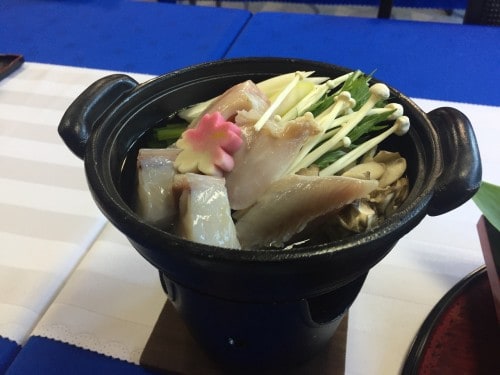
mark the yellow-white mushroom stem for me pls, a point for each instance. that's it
(273, 85)
(279, 99)
(312, 97)
(341, 102)
(397, 108)
(378, 92)
(400, 127)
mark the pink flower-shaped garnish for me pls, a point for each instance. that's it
(208, 148)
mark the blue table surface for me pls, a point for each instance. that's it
(8, 351)
(440, 61)
(123, 35)
(45, 356)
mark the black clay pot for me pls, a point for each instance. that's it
(259, 307)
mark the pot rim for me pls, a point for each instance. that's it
(123, 217)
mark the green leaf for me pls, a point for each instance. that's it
(356, 84)
(358, 87)
(329, 157)
(487, 199)
(369, 124)
(321, 105)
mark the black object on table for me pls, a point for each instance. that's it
(9, 63)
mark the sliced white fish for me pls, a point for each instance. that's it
(265, 157)
(293, 201)
(204, 213)
(245, 96)
(155, 176)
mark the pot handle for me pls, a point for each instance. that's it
(79, 119)
(461, 175)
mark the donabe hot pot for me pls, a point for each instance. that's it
(259, 308)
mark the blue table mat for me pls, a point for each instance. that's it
(46, 356)
(440, 61)
(8, 351)
(140, 37)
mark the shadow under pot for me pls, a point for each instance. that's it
(258, 307)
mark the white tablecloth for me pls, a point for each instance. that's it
(48, 218)
(67, 275)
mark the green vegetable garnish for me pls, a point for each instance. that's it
(171, 131)
(487, 199)
(356, 84)
(164, 136)
(329, 158)
(369, 124)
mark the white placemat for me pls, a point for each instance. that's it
(48, 217)
(110, 303)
